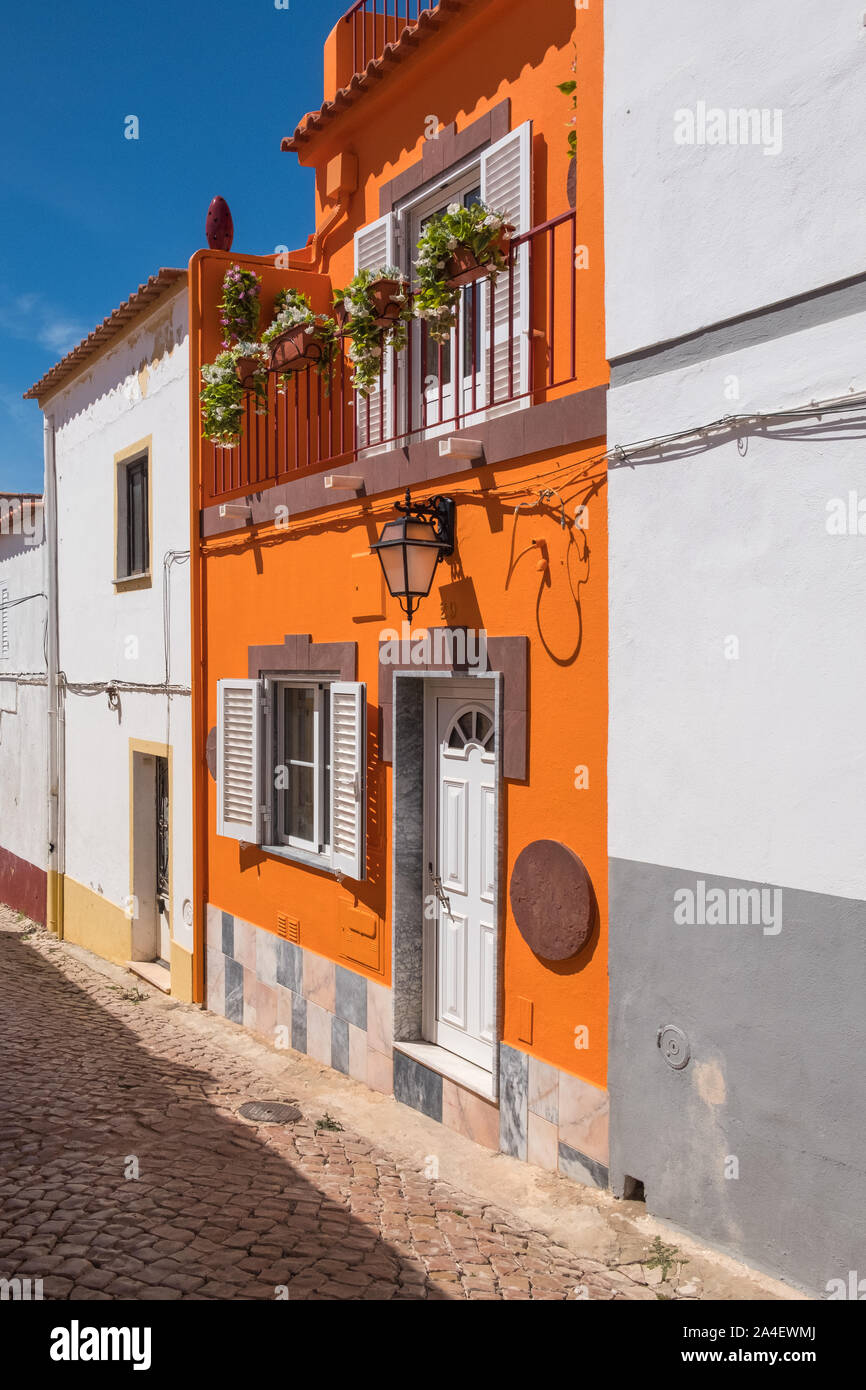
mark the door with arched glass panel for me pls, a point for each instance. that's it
(462, 873)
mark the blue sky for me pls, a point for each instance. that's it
(86, 214)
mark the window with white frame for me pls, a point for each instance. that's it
(301, 750)
(291, 765)
(484, 370)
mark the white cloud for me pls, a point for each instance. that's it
(61, 334)
(30, 318)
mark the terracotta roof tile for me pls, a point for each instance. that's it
(428, 23)
(144, 298)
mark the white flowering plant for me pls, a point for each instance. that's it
(363, 313)
(292, 310)
(223, 391)
(222, 397)
(476, 229)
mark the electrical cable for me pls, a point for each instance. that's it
(617, 455)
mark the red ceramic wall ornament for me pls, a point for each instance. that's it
(219, 227)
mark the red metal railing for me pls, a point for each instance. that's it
(376, 23)
(515, 343)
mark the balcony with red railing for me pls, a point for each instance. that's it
(515, 345)
(365, 30)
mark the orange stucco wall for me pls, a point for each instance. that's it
(494, 50)
(302, 581)
(515, 571)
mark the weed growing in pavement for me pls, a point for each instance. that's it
(664, 1257)
(132, 996)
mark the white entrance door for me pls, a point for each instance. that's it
(462, 873)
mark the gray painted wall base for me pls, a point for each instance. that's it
(775, 1088)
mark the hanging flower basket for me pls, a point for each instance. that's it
(387, 298)
(246, 368)
(375, 311)
(457, 247)
(297, 338)
(298, 349)
(464, 267)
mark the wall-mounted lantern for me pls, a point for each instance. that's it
(411, 547)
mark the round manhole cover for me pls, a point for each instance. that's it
(270, 1112)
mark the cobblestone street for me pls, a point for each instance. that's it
(126, 1172)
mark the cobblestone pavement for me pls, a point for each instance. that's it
(97, 1087)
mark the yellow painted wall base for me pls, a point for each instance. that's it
(92, 921)
(181, 974)
(54, 903)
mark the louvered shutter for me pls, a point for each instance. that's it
(238, 760)
(348, 778)
(506, 186)
(375, 248)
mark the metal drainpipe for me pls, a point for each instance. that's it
(56, 722)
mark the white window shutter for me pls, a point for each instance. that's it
(375, 247)
(239, 775)
(506, 186)
(349, 778)
(4, 621)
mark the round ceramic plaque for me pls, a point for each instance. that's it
(552, 900)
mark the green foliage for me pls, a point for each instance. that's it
(475, 227)
(569, 89)
(240, 306)
(292, 310)
(131, 996)
(222, 396)
(369, 339)
(664, 1257)
(328, 1122)
(222, 400)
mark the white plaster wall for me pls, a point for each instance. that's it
(752, 768)
(138, 389)
(698, 234)
(23, 768)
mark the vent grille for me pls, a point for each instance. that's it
(288, 928)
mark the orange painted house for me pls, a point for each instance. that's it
(401, 863)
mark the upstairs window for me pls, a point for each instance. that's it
(133, 517)
(483, 370)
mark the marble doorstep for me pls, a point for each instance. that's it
(155, 974)
(448, 1064)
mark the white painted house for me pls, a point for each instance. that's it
(735, 194)
(23, 705)
(117, 463)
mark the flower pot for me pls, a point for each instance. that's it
(464, 267)
(341, 317)
(296, 350)
(381, 294)
(246, 368)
